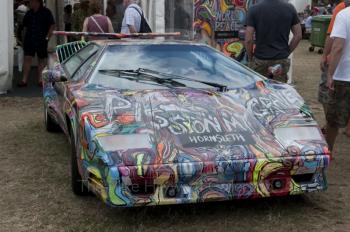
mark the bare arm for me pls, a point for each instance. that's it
(327, 50)
(110, 26)
(297, 36)
(132, 29)
(85, 27)
(336, 54)
(49, 34)
(249, 41)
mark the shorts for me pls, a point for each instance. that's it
(262, 66)
(40, 51)
(323, 90)
(338, 113)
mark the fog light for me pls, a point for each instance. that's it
(171, 192)
(277, 184)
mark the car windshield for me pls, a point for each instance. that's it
(199, 63)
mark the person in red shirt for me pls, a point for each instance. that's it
(323, 93)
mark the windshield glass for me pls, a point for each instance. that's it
(195, 62)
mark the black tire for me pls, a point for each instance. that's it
(50, 124)
(311, 49)
(320, 51)
(78, 186)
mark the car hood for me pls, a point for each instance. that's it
(265, 120)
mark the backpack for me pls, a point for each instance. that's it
(144, 27)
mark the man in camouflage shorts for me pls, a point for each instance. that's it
(262, 67)
(338, 110)
(323, 91)
(272, 37)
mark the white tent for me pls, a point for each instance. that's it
(300, 5)
(154, 11)
(6, 45)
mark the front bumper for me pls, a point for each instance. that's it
(197, 182)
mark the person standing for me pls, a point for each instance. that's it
(97, 22)
(272, 21)
(115, 11)
(79, 15)
(323, 91)
(338, 114)
(68, 10)
(119, 15)
(308, 23)
(111, 12)
(132, 17)
(39, 25)
(20, 12)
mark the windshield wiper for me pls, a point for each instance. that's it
(159, 77)
(222, 88)
(139, 76)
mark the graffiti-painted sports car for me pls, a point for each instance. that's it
(165, 122)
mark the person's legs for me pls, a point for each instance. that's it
(41, 65)
(42, 58)
(347, 130)
(325, 109)
(27, 64)
(323, 94)
(332, 133)
(338, 111)
(29, 53)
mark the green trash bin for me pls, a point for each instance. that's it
(319, 32)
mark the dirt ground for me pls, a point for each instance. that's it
(35, 192)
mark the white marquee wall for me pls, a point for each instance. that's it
(154, 12)
(6, 45)
(300, 4)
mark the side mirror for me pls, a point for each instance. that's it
(53, 76)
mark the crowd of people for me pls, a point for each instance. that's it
(35, 24)
(309, 13)
(267, 43)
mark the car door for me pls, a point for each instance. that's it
(76, 68)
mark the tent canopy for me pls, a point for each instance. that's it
(6, 46)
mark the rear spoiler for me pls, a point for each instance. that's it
(116, 35)
(65, 51)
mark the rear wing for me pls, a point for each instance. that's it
(65, 51)
(116, 35)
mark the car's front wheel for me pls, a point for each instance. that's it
(78, 186)
(50, 124)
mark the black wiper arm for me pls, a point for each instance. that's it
(222, 88)
(138, 75)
